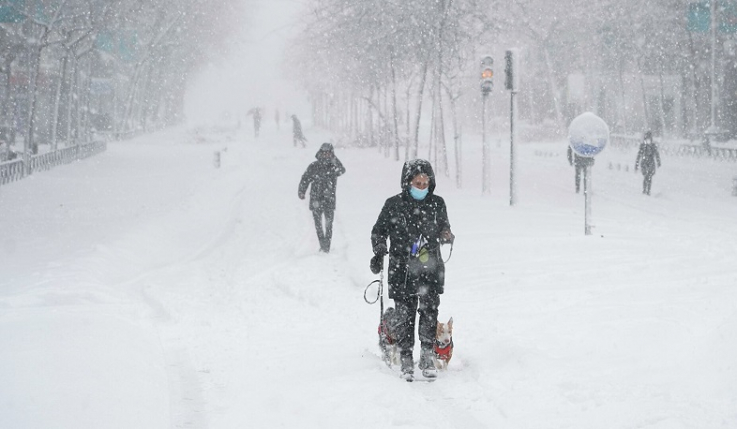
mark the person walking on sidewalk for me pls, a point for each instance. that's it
(322, 178)
(416, 223)
(256, 112)
(297, 134)
(647, 158)
(580, 163)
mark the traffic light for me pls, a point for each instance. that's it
(511, 69)
(487, 74)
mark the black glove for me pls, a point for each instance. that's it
(380, 249)
(377, 264)
(450, 239)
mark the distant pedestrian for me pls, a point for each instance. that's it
(297, 134)
(580, 162)
(647, 158)
(322, 178)
(277, 119)
(256, 112)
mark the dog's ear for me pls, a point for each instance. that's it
(450, 322)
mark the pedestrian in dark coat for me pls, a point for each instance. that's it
(297, 132)
(322, 178)
(256, 112)
(580, 162)
(647, 158)
(416, 223)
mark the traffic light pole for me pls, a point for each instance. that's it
(484, 148)
(713, 13)
(487, 74)
(587, 199)
(512, 118)
(511, 82)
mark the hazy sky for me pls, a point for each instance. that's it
(253, 75)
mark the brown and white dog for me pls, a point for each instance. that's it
(388, 337)
(443, 347)
(443, 344)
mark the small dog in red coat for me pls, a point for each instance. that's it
(443, 344)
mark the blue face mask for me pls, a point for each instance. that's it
(418, 194)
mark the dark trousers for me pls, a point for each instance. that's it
(579, 172)
(324, 236)
(426, 304)
(647, 183)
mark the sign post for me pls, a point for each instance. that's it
(487, 84)
(511, 82)
(588, 135)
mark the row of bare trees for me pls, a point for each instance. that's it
(72, 67)
(386, 72)
(646, 65)
(370, 65)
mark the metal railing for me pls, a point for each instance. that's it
(11, 171)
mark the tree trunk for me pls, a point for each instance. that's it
(662, 107)
(457, 141)
(554, 89)
(370, 119)
(72, 89)
(57, 100)
(623, 108)
(128, 108)
(87, 99)
(35, 65)
(77, 103)
(418, 114)
(5, 116)
(433, 129)
(644, 97)
(441, 134)
(395, 120)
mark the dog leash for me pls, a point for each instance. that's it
(379, 294)
(379, 290)
(449, 254)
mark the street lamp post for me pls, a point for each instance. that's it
(487, 84)
(511, 83)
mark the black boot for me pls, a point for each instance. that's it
(427, 363)
(408, 368)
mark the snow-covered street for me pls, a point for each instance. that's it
(145, 288)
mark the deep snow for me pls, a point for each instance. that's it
(144, 288)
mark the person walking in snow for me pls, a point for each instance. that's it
(322, 178)
(647, 158)
(580, 163)
(297, 132)
(277, 119)
(416, 223)
(256, 112)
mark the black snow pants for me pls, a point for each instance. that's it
(647, 181)
(579, 173)
(426, 304)
(324, 236)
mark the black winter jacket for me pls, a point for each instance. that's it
(577, 160)
(647, 158)
(402, 220)
(322, 175)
